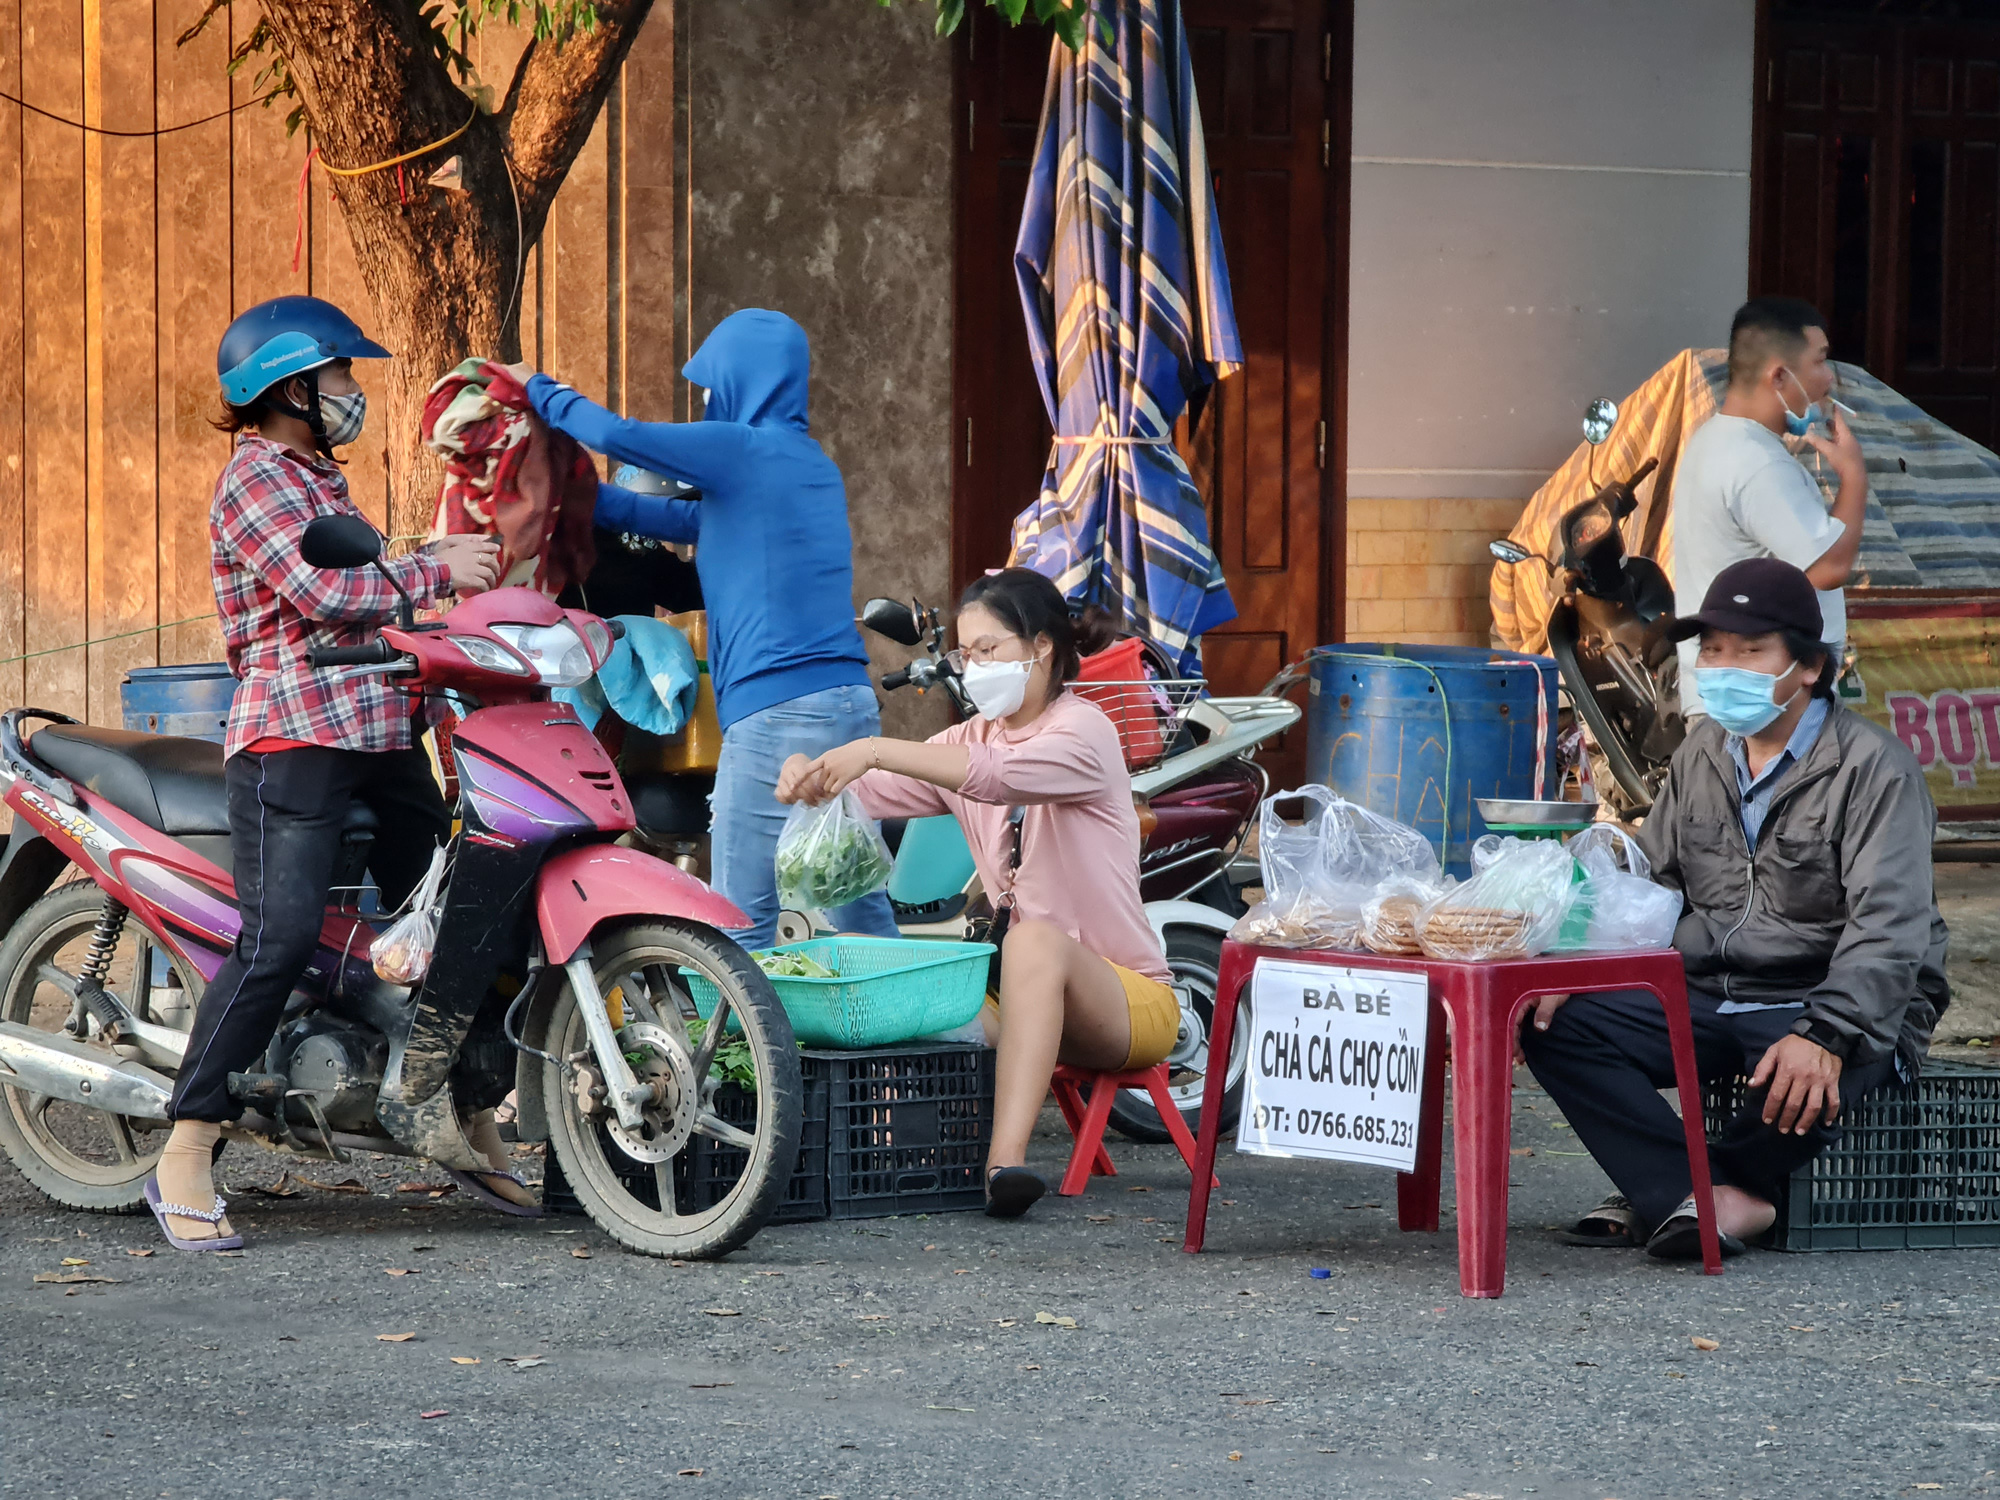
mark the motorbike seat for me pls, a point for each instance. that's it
(172, 784)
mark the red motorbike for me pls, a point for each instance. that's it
(560, 970)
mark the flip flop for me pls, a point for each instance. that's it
(1679, 1238)
(1612, 1225)
(1012, 1191)
(180, 1211)
(470, 1181)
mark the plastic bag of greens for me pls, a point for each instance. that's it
(830, 855)
(1623, 907)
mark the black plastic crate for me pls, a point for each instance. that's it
(706, 1170)
(1917, 1168)
(907, 1129)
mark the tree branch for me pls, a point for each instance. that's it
(555, 95)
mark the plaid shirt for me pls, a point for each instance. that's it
(274, 606)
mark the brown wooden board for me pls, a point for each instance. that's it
(54, 333)
(13, 598)
(121, 347)
(191, 219)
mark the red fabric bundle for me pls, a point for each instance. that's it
(508, 474)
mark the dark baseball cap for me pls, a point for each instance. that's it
(1756, 597)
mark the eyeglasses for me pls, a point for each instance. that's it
(981, 654)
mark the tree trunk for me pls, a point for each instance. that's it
(443, 268)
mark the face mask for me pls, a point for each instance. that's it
(997, 688)
(1799, 426)
(705, 394)
(343, 416)
(1740, 700)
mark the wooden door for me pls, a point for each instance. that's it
(1272, 79)
(1877, 194)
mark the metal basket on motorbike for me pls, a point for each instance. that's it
(1147, 714)
(883, 990)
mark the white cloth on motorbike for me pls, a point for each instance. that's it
(1741, 494)
(650, 680)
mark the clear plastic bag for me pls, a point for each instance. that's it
(1389, 919)
(1321, 875)
(1623, 908)
(830, 855)
(403, 953)
(1300, 908)
(1513, 907)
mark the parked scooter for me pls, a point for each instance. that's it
(1608, 632)
(1196, 806)
(558, 968)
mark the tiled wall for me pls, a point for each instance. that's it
(1417, 569)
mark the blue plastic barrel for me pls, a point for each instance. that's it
(192, 700)
(1416, 733)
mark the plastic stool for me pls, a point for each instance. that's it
(1486, 1002)
(1085, 1097)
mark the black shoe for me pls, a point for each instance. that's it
(1012, 1191)
(1679, 1238)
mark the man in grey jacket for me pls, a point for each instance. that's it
(1800, 835)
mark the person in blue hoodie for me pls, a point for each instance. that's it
(775, 557)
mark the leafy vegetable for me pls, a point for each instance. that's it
(830, 855)
(794, 966)
(733, 1062)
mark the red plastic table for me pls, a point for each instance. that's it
(1486, 1002)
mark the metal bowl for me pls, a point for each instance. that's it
(1524, 813)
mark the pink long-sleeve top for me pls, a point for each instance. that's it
(1079, 836)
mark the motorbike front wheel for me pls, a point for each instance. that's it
(1194, 954)
(625, 1179)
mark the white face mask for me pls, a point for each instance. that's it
(705, 394)
(997, 688)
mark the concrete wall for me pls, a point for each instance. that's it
(821, 185)
(1550, 198)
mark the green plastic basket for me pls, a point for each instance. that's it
(889, 990)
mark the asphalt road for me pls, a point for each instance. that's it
(903, 1358)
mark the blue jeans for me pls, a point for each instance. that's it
(748, 815)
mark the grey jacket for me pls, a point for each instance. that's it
(1835, 907)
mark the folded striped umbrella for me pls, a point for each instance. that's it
(1129, 315)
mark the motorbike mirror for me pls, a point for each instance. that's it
(1598, 419)
(898, 622)
(1509, 552)
(340, 542)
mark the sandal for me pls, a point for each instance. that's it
(471, 1182)
(506, 1118)
(1012, 1191)
(1612, 1225)
(1679, 1238)
(181, 1211)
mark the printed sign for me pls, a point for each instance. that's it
(1336, 1064)
(1932, 683)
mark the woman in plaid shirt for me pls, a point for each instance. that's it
(301, 745)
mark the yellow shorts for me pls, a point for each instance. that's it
(1155, 1011)
(1156, 1017)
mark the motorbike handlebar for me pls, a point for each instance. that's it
(376, 653)
(894, 680)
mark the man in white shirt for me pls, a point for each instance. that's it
(1740, 493)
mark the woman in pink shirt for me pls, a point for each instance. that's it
(1083, 979)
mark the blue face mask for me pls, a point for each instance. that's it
(1799, 426)
(1740, 700)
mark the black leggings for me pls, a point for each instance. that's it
(285, 812)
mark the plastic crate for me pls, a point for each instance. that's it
(907, 1129)
(888, 990)
(706, 1170)
(1917, 1167)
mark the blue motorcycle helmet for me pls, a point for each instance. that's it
(286, 337)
